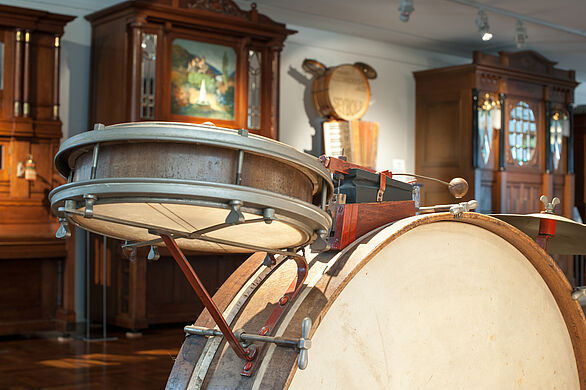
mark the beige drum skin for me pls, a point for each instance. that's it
(430, 302)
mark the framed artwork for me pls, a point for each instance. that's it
(203, 80)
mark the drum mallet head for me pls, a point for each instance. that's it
(458, 187)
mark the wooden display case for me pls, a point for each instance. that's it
(188, 61)
(36, 273)
(510, 157)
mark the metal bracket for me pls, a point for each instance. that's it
(88, 211)
(320, 244)
(268, 215)
(235, 216)
(302, 344)
(459, 209)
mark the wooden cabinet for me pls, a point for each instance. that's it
(504, 124)
(187, 61)
(36, 280)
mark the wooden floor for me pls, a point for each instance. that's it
(46, 363)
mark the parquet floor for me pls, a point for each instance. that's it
(45, 363)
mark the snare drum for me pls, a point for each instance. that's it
(133, 181)
(430, 302)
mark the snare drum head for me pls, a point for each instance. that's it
(427, 303)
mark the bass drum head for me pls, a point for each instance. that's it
(429, 302)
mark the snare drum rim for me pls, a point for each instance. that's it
(304, 216)
(197, 134)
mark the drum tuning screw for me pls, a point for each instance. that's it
(90, 199)
(129, 252)
(99, 126)
(243, 132)
(154, 253)
(304, 344)
(63, 231)
(235, 216)
(549, 207)
(269, 215)
(264, 330)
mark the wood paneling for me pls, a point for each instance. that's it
(32, 260)
(142, 293)
(445, 134)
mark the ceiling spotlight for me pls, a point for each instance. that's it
(520, 34)
(405, 9)
(482, 24)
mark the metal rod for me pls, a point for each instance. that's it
(281, 341)
(204, 296)
(324, 194)
(239, 167)
(421, 177)
(524, 18)
(96, 151)
(87, 284)
(190, 235)
(104, 306)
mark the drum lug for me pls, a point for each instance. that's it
(320, 244)
(90, 199)
(578, 293)
(153, 253)
(268, 215)
(235, 216)
(64, 231)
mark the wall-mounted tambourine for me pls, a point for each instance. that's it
(340, 92)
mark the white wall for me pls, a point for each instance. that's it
(393, 91)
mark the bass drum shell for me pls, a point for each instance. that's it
(430, 302)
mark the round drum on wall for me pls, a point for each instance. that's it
(341, 92)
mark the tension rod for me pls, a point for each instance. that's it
(250, 353)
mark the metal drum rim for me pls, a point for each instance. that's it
(191, 133)
(297, 210)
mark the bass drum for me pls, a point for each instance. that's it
(429, 302)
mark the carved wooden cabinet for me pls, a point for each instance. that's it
(504, 124)
(186, 61)
(36, 281)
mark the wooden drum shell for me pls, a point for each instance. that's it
(149, 177)
(334, 97)
(195, 162)
(333, 274)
